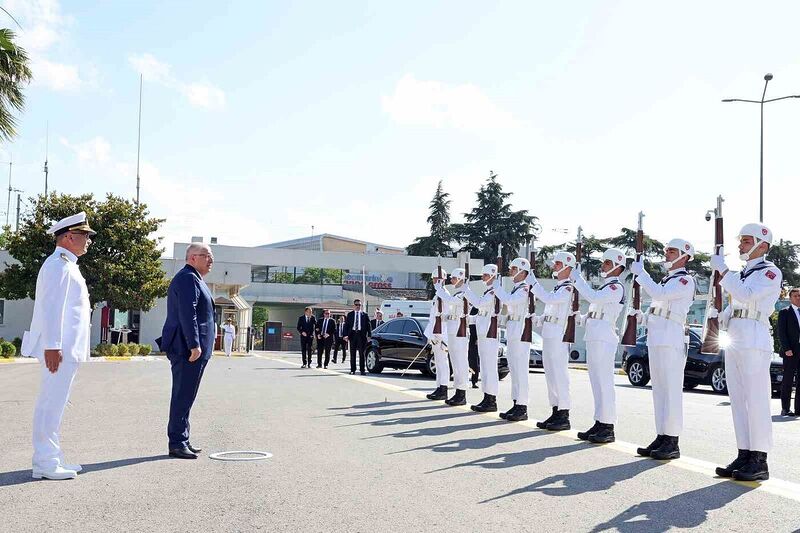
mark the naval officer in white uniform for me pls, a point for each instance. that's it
(59, 338)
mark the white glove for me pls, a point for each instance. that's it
(497, 284)
(637, 268)
(538, 320)
(718, 263)
(580, 320)
(712, 313)
(576, 273)
(532, 279)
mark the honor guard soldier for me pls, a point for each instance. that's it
(666, 344)
(605, 305)
(555, 352)
(519, 351)
(754, 292)
(457, 346)
(438, 341)
(59, 338)
(487, 346)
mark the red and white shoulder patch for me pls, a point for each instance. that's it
(684, 281)
(613, 287)
(568, 288)
(770, 274)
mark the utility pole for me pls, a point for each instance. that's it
(19, 201)
(8, 204)
(139, 140)
(46, 150)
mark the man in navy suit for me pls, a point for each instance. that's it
(357, 330)
(789, 335)
(188, 340)
(306, 325)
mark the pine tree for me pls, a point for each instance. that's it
(785, 256)
(438, 242)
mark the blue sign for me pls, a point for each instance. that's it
(270, 331)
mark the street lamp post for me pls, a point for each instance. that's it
(767, 78)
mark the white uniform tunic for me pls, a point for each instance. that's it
(61, 321)
(555, 352)
(487, 348)
(228, 334)
(755, 291)
(605, 306)
(516, 304)
(666, 345)
(438, 341)
(457, 346)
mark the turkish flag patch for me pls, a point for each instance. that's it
(569, 289)
(613, 287)
(684, 281)
(770, 274)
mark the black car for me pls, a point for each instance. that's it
(396, 343)
(701, 369)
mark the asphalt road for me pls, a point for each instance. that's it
(355, 453)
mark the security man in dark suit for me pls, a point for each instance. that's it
(789, 335)
(356, 332)
(306, 325)
(377, 321)
(326, 330)
(338, 340)
(473, 356)
(188, 340)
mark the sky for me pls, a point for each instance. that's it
(263, 119)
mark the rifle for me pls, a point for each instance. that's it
(629, 337)
(492, 333)
(569, 332)
(711, 329)
(437, 323)
(463, 328)
(527, 331)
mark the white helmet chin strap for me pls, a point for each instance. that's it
(746, 256)
(557, 272)
(669, 264)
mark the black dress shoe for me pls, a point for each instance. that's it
(182, 453)
(193, 449)
(352, 372)
(784, 412)
(363, 373)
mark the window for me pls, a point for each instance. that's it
(393, 327)
(409, 326)
(258, 273)
(2, 311)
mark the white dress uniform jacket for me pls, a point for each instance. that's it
(432, 320)
(485, 304)
(671, 300)
(605, 306)
(556, 309)
(61, 311)
(516, 305)
(755, 291)
(452, 307)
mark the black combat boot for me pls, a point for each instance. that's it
(668, 450)
(584, 435)
(604, 435)
(487, 405)
(645, 452)
(439, 394)
(756, 468)
(459, 398)
(543, 423)
(560, 422)
(520, 414)
(505, 415)
(739, 462)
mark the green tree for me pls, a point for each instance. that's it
(438, 242)
(14, 74)
(492, 223)
(320, 275)
(785, 256)
(260, 316)
(122, 266)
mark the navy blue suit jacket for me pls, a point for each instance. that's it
(190, 316)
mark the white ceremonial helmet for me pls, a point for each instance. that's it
(616, 257)
(759, 232)
(435, 274)
(458, 273)
(521, 263)
(684, 247)
(490, 269)
(567, 259)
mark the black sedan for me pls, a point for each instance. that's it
(701, 369)
(396, 343)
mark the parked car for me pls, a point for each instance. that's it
(535, 360)
(397, 342)
(701, 369)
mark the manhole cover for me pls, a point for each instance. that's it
(240, 455)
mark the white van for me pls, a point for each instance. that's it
(418, 308)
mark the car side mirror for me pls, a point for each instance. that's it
(415, 334)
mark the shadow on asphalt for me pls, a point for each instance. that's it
(598, 480)
(479, 443)
(438, 431)
(686, 510)
(376, 404)
(779, 418)
(402, 421)
(19, 477)
(386, 412)
(514, 459)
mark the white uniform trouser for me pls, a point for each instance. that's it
(442, 364)
(487, 351)
(518, 356)
(555, 359)
(750, 391)
(600, 360)
(459, 358)
(53, 396)
(666, 372)
(227, 344)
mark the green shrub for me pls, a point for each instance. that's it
(122, 350)
(145, 349)
(17, 342)
(4, 349)
(9, 350)
(112, 350)
(133, 348)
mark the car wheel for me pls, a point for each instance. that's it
(718, 382)
(638, 374)
(430, 366)
(372, 362)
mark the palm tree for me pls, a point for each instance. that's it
(14, 73)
